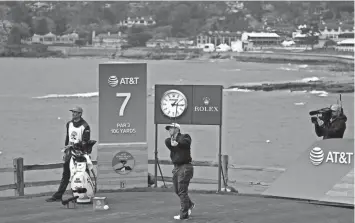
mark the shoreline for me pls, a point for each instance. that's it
(328, 86)
(283, 57)
(144, 53)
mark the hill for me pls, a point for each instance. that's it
(173, 19)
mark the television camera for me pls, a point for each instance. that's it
(324, 114)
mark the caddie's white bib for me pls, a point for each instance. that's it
(75, 134)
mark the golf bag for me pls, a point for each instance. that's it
(82, 176)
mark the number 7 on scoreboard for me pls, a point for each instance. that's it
(125, 102)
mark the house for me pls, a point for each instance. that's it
(217, 38)
(344, 36)
(50, 39)
(40, 6)
(332, 30)
(171, 42)
(261, 39)
(346, 45)
(107, 39)
(143, 21)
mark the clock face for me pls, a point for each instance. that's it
(173, 103)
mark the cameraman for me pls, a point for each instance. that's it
(335, 128)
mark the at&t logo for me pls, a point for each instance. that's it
(317, 156)
(113, 81)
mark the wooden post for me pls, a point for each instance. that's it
(225, 169)
(18, 177)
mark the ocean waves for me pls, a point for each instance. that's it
(304, 85)
(77, 95)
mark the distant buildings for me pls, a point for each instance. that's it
(242, 41)
(346, 45)
(108, 39)
(332, 31)
(328, 32)
(140, 21)
(261, 39)
(343, 34)
(40, 6)
(170, 43)
(217, 38)
(50, 39)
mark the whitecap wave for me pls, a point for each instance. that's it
(299, 103)
(310, 79)
(231, 70)
(238, 90)
(78, 95)
(323, 95)
(298, 91)
(287, 69)
(319, 93)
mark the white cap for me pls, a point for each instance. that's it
(335, 107)
(174, 125)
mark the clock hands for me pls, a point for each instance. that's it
(176, 103)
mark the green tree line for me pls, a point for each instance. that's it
(173, 19)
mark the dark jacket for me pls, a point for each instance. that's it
(335, 129)
(180, 154)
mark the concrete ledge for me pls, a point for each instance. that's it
(324, 203)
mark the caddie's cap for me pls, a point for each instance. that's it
(172, 125)
(76, 109)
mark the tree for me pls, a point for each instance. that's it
(329, 42)
(312, 34)
(60, 25)
(109, 15)
(3, 12)
(192, 27)
(162, 32)
(120, 10)
(179, 16)
(138, 36)
(17, 33)
(328, 15)
(42, 27)
(255, 9)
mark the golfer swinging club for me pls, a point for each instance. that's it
(180, 154)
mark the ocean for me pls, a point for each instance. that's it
(269, 129)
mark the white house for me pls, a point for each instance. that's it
(143, 21)
(261, 38)
(346, 45)
(51, 38)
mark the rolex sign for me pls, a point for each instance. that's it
(188, 104)
(207, 105)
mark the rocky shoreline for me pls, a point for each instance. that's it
(283, 57)
(330, 86)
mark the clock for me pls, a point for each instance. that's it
(173, 103)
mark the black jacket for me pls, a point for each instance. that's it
(180, 154)
(335, 129)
